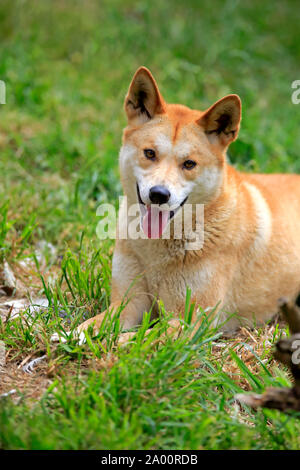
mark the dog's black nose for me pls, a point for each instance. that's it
(159, 194)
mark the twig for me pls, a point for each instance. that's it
(28, 368)
(288, 353)
(11, 392)
(291, 314)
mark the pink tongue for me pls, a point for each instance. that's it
(155, 222)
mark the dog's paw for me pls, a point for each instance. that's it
(124, 338)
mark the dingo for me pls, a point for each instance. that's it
(172, 155)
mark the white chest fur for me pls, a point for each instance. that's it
(167, 274)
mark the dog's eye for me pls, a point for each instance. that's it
(149, 153)
(189, 164)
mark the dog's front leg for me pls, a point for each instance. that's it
(129, 287)
(211, 300)
(130, 316)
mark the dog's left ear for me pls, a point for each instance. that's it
(143, 100)
(221, 122)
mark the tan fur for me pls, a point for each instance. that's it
(251, 251)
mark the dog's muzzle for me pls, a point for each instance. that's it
(154, 219)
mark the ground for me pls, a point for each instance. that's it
(67, 66)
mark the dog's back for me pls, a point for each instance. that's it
(268, 265)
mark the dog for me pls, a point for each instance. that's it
(172, 156)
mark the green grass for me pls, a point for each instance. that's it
(67, 66)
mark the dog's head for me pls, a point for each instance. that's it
(171, 153)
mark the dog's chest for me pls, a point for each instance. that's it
(168, 274)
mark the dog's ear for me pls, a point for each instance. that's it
(221, 122)
(143, 100)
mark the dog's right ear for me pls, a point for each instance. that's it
(143, 100)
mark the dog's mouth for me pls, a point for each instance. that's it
(154, 218)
